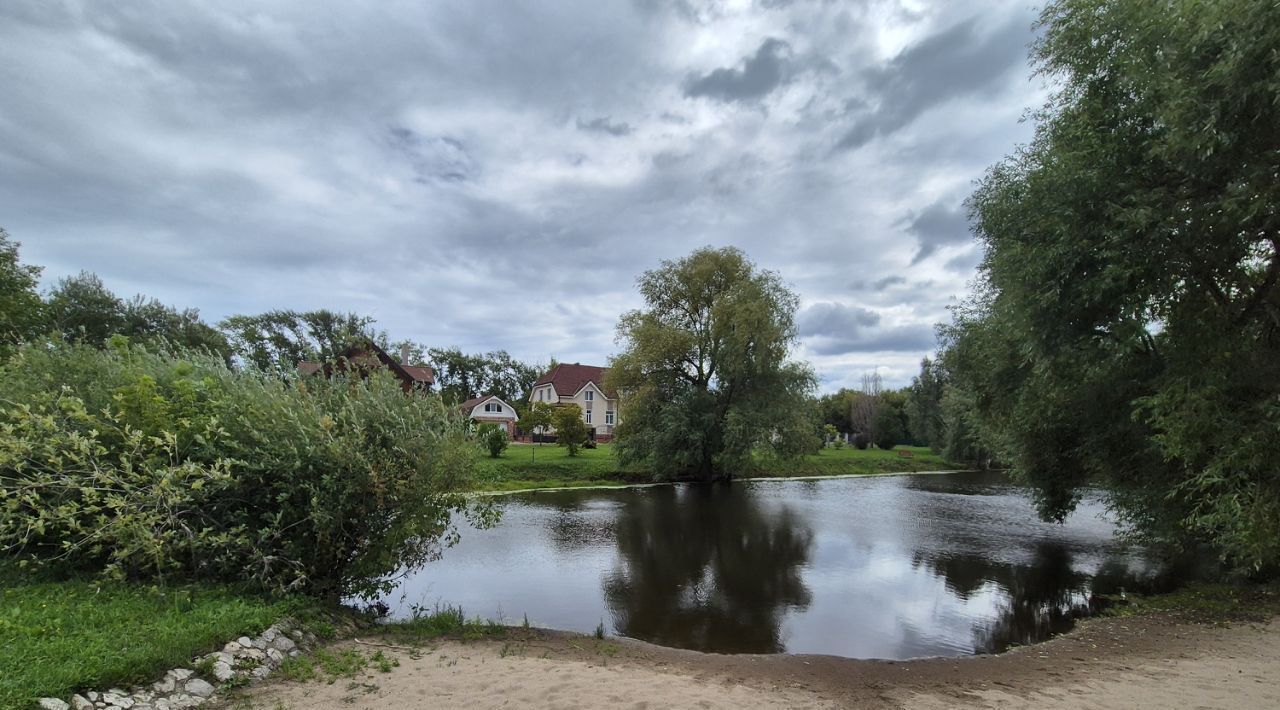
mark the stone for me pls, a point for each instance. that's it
(254, 654)
(261, 672)
(163, 704)
(294, 653)
(284, 643)
(93, 696)
(79, 702)
(181, 673)
(233, 647)
(53, 704)
(274, 657)
(222, 672)
(270, 635)
(199, 688)
(259, 644)
(118, 699)
(165, 685)
(244, 641)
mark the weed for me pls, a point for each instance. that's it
(384, 663)
(600, 630)
(299, 669)
(204, 666)
(526, 621)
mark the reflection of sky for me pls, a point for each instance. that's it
(899, 567)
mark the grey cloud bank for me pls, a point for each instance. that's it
(498, 179)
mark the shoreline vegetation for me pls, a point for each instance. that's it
(526, 467)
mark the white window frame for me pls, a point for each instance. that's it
(493, 407)
(608, 417)
(589, 395)
(588, 413)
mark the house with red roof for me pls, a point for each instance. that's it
(366, 357)
(582, 385)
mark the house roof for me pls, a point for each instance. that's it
(474, 402)
(567, 380)
(361, 354)
(421, 373)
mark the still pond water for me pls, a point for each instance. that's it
(888, 567)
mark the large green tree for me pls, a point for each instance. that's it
(461, 376)
(82, 309)
(1126, 328)
(704, 376)
(280, 339)
(21, 310)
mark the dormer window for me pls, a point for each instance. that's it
(589, 395)
(492, 407)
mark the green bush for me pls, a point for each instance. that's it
(155, 464)
(494, 439)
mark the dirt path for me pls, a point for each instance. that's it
(1150, 662)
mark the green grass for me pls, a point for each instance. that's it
(426, 625)
(1206, 603)
(57, 638)
(549, 466)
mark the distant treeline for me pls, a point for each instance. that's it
(81, 309)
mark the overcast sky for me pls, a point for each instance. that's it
(496, 175)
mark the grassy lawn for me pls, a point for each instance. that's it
(547, 466)
(57, 638)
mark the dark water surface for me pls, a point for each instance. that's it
(887, 567)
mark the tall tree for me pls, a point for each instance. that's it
(1126, 327)
(82, 308)
(21, 310)
(280, 339)
(704, 376)
(924, 404)
(461, 376)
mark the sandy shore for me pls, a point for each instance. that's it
(1148, 662)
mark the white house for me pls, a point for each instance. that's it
(492, 410)
(582, 385)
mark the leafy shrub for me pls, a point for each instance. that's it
(862, 440)
(494, 439)
(144, 464)
(571, 431)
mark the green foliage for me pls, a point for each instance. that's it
(924, 404)
(571, 430)
(494, 439)
(538, 418)
(82, 309)
(57, 638)
(461, 376)
(276, 341)
(1126, 329)
(145, 464)
(21, 310)
(704, 377)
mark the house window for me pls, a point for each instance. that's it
(493, 407)
(589, 395)
(608, 416)
(588, 416)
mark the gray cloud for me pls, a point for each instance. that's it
(828, 319)
(756, 77)
(965, 60)
(937, 225)
(604, 125)
(467, 177)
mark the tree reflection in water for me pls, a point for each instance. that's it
(707, 568)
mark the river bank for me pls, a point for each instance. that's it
(1159, 660)
(533, 466)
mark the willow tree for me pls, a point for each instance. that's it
(1127, 329)
(704, 377)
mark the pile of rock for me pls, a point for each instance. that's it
(238, 663)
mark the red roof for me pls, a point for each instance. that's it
(568, 379)
(421, 373)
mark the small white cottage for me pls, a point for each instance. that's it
(492, 410)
